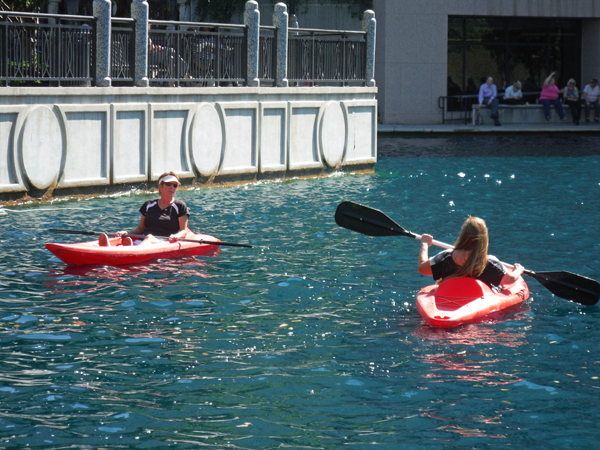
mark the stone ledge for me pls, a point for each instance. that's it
(521, 114)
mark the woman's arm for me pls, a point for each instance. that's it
(183, 229)
(137, 230)
(424, 265)
(513, 274)
(547, 80)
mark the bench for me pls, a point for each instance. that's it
(521, 114)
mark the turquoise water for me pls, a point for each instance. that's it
(311, 339)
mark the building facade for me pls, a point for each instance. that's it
(420, 43)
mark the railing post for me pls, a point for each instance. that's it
(184, 10)
(53, 9)
(280, 21)
(139, 12)
(103, 37)
(252, 23)
(369, 25)
(72, 7)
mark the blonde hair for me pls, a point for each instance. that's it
(572, 80)
(474, 239)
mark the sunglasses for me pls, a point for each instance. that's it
(175, 185)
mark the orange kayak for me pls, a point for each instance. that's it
(457, 301)
(117, 254)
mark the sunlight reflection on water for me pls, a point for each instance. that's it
(311, 339)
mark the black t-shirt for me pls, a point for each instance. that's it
(162, 222)
(443, 266)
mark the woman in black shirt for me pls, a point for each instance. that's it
(163, 216)
(469, 258)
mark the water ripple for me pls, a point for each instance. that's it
(311, 339)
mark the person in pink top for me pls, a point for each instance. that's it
(549, 96)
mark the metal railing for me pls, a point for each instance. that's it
(267, 55)
(457, 108)
(196, 54)
(60, 50)
(122, 51)
(326, 57)
(46, 49)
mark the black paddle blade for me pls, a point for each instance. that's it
(569, 286)
(369, 221)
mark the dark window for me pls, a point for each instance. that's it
(511, 49)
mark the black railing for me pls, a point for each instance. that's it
(457, 108)
(321, 57)
(46, 49)
(196, 54)
(122, 51)
(267, 55)
(59, 50)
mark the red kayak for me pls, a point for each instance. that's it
(117, 254)
(457, 301)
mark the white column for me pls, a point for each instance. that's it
(369, 25)
(53, 9)
(252, 23)
(184, 10)
(139, 12)
(280, 21)
(102, 14)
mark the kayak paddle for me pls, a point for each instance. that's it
(373, 222)
(142, 236)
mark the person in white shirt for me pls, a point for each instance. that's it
(590, 95)
(513, 94)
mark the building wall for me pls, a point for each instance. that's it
(411, 59)
(53, 140)
(319, 14)
(412, 48)
(590, 50)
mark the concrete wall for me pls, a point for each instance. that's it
(412, 48)
(55, 140)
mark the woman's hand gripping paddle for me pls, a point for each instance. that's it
(373, 222)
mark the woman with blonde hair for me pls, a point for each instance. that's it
(571, 98)
(468, 258)
(162, 216)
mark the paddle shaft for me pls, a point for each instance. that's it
(142, 236)
(450, 247)
(547, 279)
(373, 222)
(401, 231)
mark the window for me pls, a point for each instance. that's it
(511, 49)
